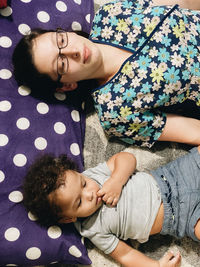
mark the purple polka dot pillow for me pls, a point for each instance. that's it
(29, 127)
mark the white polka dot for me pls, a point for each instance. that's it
(59, 128)
(33, 253)
(40, 143)
(76, 26)
(54, 232)
(2, 176)
(15, 196)
(24, 29)
(5, 105)
(5, 74)
(5, 42)
(20, 160)
(43, 16)
(61, 6)
(87, 17)
(75, 150)
(26, 1)
(77, 2)
(75, 115)
(32, 217)
(24, 90)
(74, 251)
(60, 96)
(6, 11)
(12, 234)
(23, 123)
(3, 140)
(42, 108)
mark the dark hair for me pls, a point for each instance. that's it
(24, 70)
(44, 176)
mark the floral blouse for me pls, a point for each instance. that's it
(163, 70)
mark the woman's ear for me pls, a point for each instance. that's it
(67, 87)
(67, 220)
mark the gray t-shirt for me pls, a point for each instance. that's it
(133, 216)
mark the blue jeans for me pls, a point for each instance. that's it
(179, 182)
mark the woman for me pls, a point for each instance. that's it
(145, 59)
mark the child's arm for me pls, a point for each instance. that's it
(122, 165)
(129, 257)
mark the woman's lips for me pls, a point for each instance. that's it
(86, 54)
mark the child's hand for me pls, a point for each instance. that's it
(170, 260)
(110, 192)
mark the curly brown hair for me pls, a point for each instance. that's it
(44, 176)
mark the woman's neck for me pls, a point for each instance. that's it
(112, 59)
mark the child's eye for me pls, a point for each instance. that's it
(79, 202)
(84, 185)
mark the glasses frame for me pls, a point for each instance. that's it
(60, 55)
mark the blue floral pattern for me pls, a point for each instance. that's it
(163, 70)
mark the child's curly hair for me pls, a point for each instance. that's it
(44, 176)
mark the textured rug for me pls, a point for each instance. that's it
(98, 149)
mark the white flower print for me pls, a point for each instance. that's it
(131, 38)
(137, 103)
(118, 36)
(105, 20)
(148, 98)
(158, 121)
(156, 87)
(118, 101)
(110, 104)
(107, 32)
(135, 82)
(153, 52)
(163, 66)
(158, 37)
(168, 89)
(123, 80)
(174, 48)
(177, 60)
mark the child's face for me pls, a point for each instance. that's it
(77, 196)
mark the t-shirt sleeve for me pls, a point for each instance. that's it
(100, 173)
(95, 232)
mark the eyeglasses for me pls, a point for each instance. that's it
(62, 60)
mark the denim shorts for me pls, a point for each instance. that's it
(179, 182)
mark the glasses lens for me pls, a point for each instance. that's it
(62, 64)
(61, 38)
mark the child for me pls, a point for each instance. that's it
(112, 203)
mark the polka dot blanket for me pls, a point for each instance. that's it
(29, 127)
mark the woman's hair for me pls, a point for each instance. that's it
(24, 70)
(44, 176)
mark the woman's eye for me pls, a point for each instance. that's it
(84, 185)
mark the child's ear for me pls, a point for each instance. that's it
(67, 220)
(67, 87)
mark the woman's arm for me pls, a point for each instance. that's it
(130, 257)
(189, 4)
(181, 129)
(122, 165)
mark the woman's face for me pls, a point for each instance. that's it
(83, 56)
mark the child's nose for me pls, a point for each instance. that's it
(88, 195)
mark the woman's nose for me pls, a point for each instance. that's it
(71, 52)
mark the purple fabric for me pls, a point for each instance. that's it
(29, 127)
